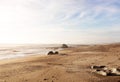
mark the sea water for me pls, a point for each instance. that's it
(22, 51)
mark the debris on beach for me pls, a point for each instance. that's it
(106, 71)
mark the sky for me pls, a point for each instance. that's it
(59, 21)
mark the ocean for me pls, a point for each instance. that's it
(18, 51)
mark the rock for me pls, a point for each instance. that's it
(53, 53)
(56, 52)
(105, 71)
(64, 46)
(50, 53)
(101, 73)
(105, 68)
(113, 70)
(98, 67)
(113, 74)
(102, 66)
(118, 69)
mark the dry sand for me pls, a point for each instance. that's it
(72, 65)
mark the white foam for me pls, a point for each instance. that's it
(11, 56)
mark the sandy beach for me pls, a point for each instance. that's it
(71, 65)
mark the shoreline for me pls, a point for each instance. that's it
(9, 57)
(21, 52)
(21, 59)
(73, 66)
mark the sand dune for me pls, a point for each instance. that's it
(72, 65)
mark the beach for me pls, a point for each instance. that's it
(70, 65)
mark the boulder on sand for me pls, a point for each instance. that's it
(50, 53)
(53, 53)
(56, 52)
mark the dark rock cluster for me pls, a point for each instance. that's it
(53, 53)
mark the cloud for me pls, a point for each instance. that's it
(59, 21)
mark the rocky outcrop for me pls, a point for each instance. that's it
(64, 46)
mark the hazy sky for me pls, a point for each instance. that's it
(59, 21)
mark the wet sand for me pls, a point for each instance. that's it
(71, 65)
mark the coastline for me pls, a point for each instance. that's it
(71, 65)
